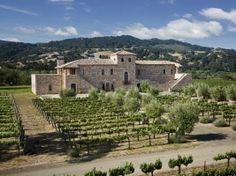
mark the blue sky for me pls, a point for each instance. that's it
(204, 22)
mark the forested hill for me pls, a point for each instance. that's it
(42, 56)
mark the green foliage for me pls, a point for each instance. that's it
(154, 109)
(131, 105)
(67, 93)
(93, 93)
(177, 139)
(146, 99)
(220, 123)
(133, 93)
(95, 172)
(227, 155)
(181, 160)
(206, 120)
(144, 86)
(190, 90)
(231, 92)
(117, 99)
(184, 117)
(128, 168)
(147, 168)
(203, 91)
(151, 167)
(154, 91)
(218, 93)
(229, 171)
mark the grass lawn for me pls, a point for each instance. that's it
(15, 89)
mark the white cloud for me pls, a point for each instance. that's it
(96, 34)
(188, 15)
(11, 39)
(219, 14)
(27, 30)
(66, 31)
(178, 29)
(14, 9)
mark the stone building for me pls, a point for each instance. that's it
(108, 71)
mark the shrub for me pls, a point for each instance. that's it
(147, 168)
(220, 123)
(231, 92)
(234, 127)
(181, 160)
(190, 90)
(206, 120)
(215, 172)
(93, 93)
(177, 139)
(144, 86)
(228, 156)
(67, 93)
(125, 170)
(95, 172)
(154, 91)
(218, 93)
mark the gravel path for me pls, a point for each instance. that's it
(214, 141)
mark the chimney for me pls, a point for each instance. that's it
(60, 60)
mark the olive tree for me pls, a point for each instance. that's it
(203, 91)
(184, 116)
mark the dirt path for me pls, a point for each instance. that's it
(45, 145)
(214, 140)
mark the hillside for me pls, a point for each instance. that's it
(42, 56)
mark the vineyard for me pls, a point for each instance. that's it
(11, 130)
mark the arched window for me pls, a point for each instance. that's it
(102, 71)
(122, 59)
(164, 71)
(129, 59)
(111, 71)
(171, 72)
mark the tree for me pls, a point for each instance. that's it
(190, 90)
(154, 109)
(185, 160)
(93, 93)
(218, 93)
(184, 116)
(203, 91)
(131, 105)
(227, 155)
(231, 93)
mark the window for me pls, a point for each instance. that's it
(171, 72)
(129, 59)
(50, 87)
(72, 71)
(111, 71)
(164, 71)
(138, 72)
(103, 86)
(102, 71)
(122, 59)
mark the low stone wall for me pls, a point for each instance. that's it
(43, 84)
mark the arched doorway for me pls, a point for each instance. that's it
(73, 87)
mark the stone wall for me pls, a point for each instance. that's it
(155, 73)
(181, 82)
(46, 84)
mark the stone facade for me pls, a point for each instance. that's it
(109, 71)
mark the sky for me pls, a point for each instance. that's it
(203, 22)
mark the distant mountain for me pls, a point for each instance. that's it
(43, 55)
